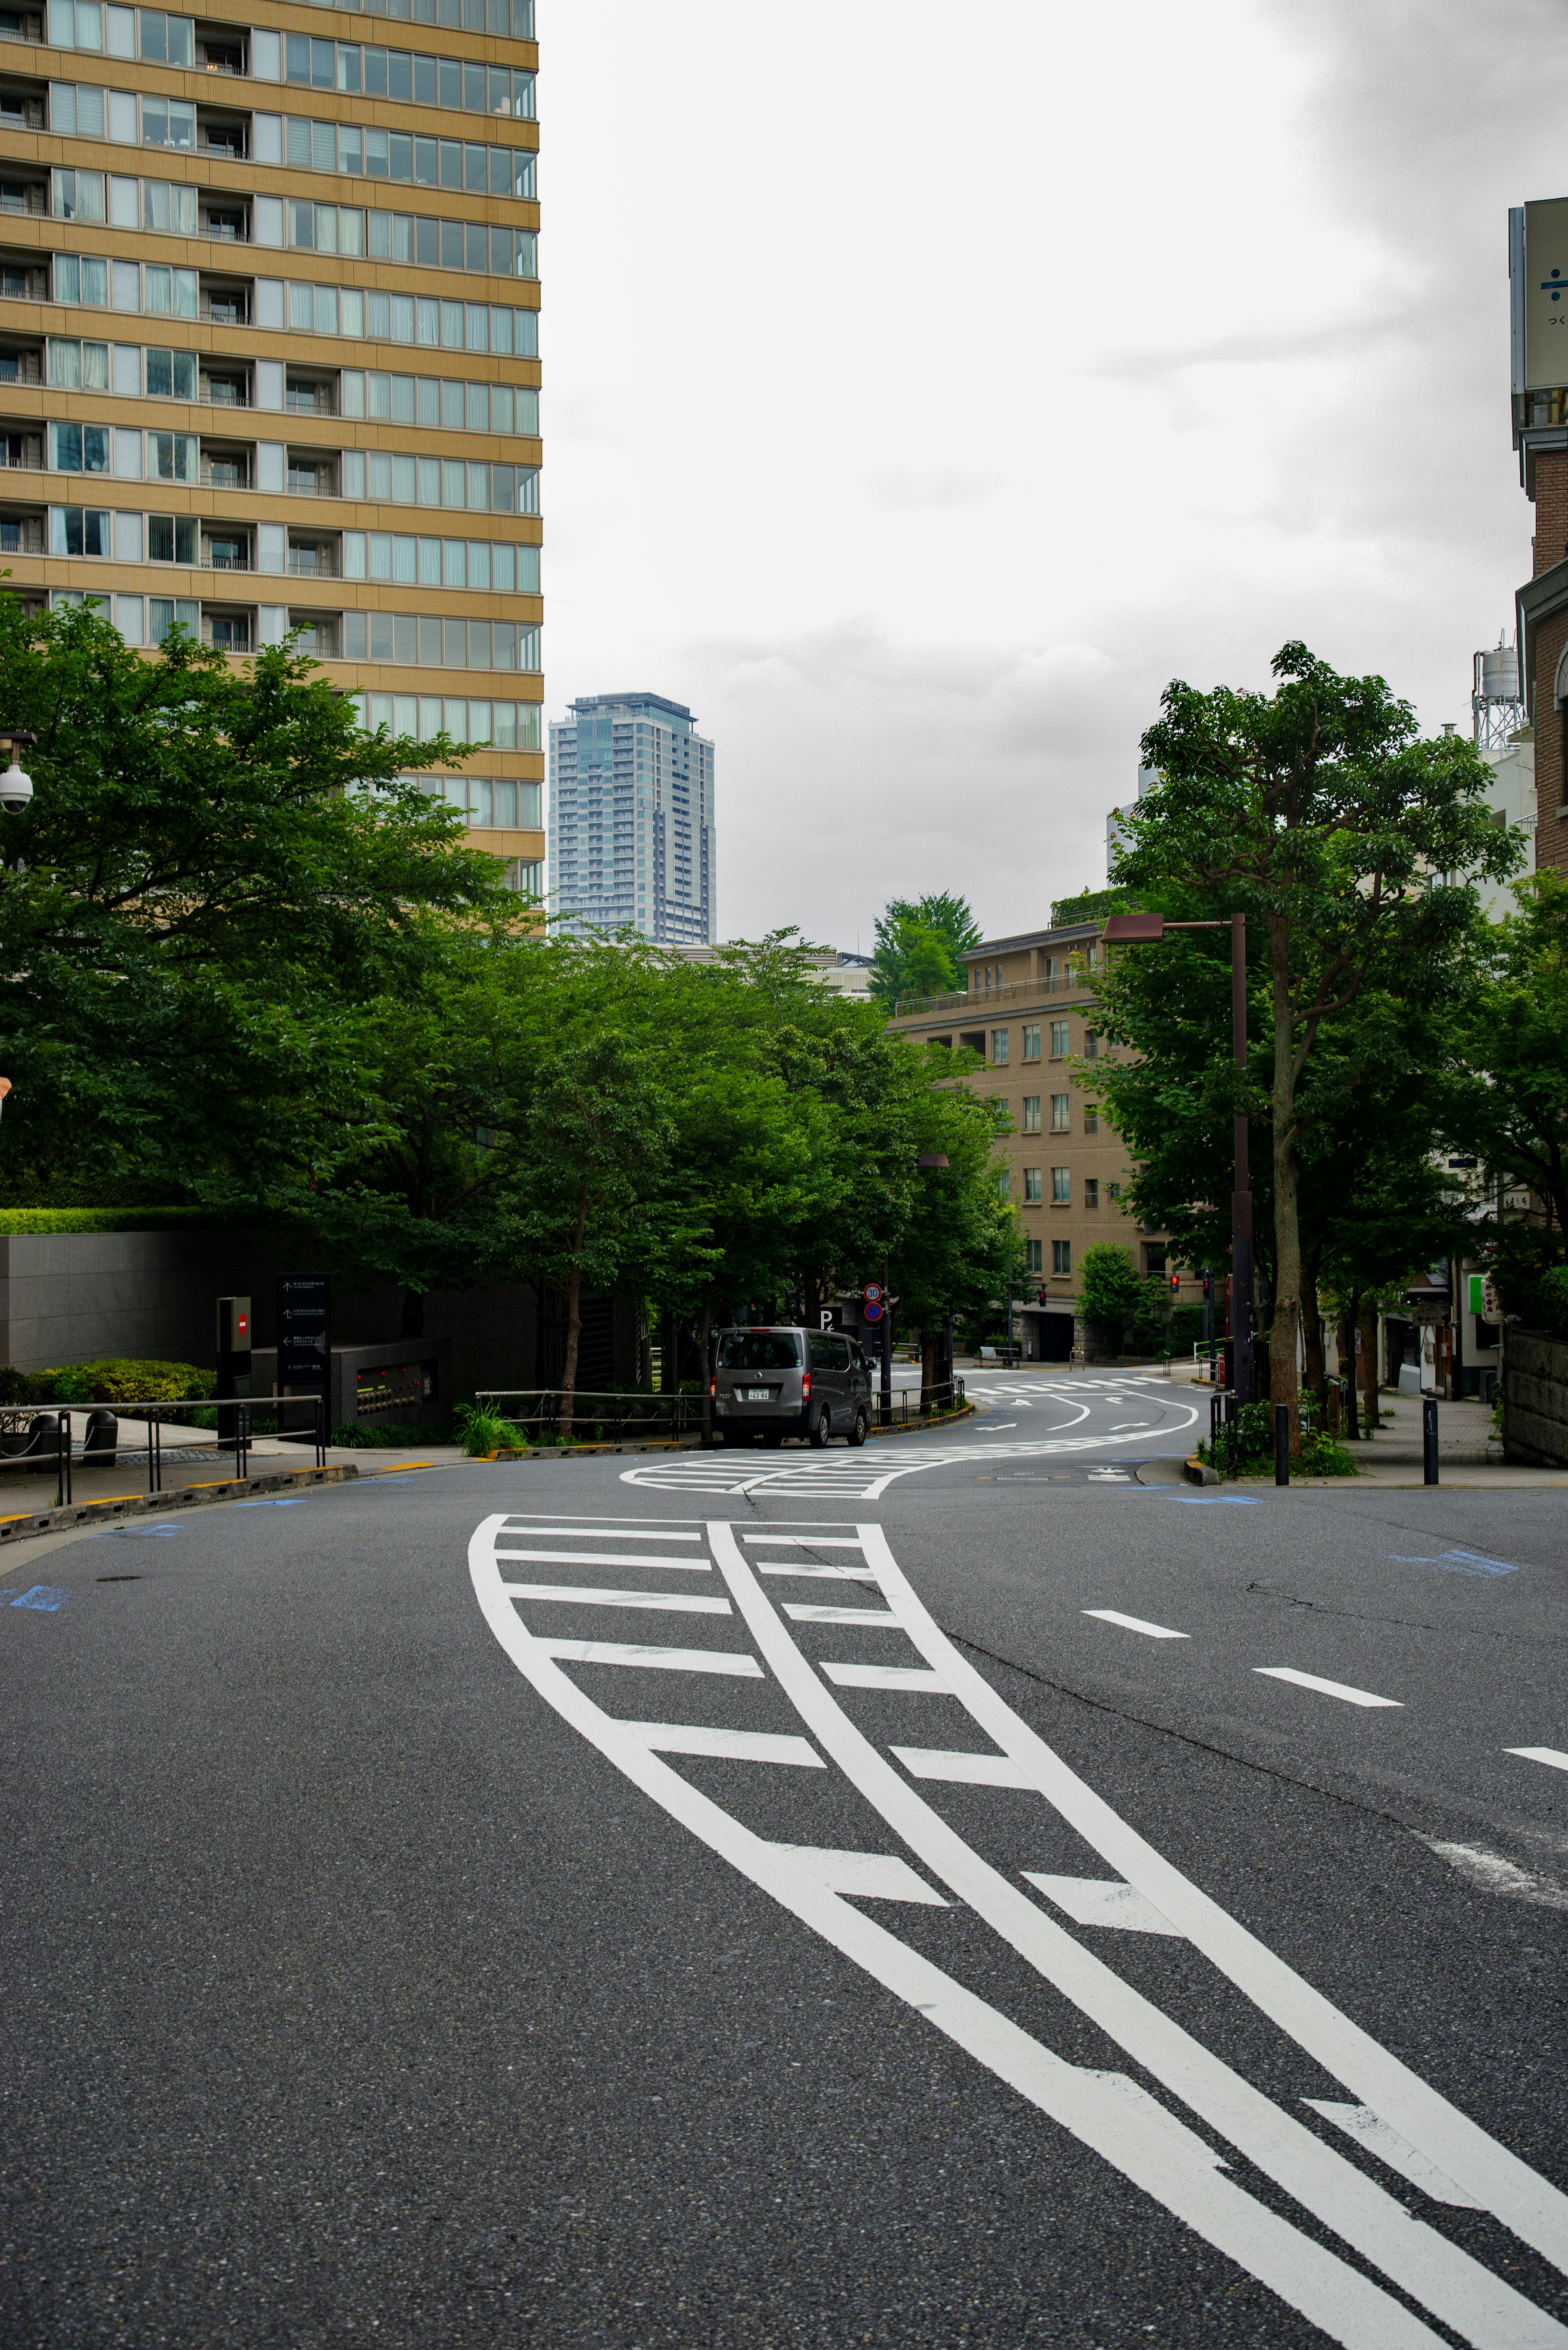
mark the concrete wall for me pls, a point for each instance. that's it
(1535, 1399)
(72, 1297)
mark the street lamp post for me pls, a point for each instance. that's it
(1148, 929)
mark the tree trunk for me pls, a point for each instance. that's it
(1369, 1414)
(574, 1319)
(930, 1342)
(1283, 1382)
(411, 1321)
(1344, 1335)
(705, 1351)
(1316, 1369)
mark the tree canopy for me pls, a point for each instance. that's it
(918, 945)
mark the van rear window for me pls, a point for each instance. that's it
(759, 1350)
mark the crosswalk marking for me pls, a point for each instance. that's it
(585, 1595)
(887, 1676)
(728, 1745)
(667, 1660)
(803, 1612)
(963, 1770)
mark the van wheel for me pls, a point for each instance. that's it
(857, 1433)
(821, 1426)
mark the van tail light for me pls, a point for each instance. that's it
(805, 1388)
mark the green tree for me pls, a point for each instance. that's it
(919, 944)
(1112, 1293)
(1349, 842)
(215, 861)
(1505, 1095)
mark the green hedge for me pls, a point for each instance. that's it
(100, 1219)
(110, 1380)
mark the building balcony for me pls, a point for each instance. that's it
(314, 563)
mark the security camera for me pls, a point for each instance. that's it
(15, 789)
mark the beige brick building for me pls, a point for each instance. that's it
(268, 351)
(1031, 1010)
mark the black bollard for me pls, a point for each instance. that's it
(1281, 1444)
(1430, 1441)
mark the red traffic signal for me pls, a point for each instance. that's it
(1175, 1282)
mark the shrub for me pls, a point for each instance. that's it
(113, 1380)
(1321, 1455)
(484, 1431)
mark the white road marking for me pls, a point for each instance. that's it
(887, 1676)
(868, 1876)
(1106, 2111)
(688, 1603)
(1103, 1902)
(1437, 2274)
(1362, 2124)
(807, 1542)
(1135, 1623)
(963, 1770)
(1503, 2183)
(730, 1745)
(801, 1611)
(669, 1660)
(1540, 1755)
(602, 1559)
(550, 1532)
(822, 1574)
(1325, 1689)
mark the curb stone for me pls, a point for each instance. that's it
(181, 1497)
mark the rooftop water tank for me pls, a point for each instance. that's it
(1497, 674)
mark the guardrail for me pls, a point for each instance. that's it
(907, 1407)
(48, 1437)
(597, 1417)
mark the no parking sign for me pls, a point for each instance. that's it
(871, 1299)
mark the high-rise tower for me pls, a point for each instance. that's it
(633, 840)
(268, 351)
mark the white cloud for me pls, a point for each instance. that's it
(925, 388)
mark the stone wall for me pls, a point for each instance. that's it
(1535, 1399)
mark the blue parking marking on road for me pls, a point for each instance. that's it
(103, 1534)
(285, 1502)
(44, 1596)
(1457, 1562)
(1220, 1500)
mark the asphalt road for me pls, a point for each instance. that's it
(912, 1949)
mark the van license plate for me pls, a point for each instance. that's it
(755, 1395)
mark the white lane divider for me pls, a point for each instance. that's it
(1350, 2308)
(588, 1594)
(1324, 1689)
(660, 1659)
(1540, 1755)
(1362, 2124)
(1103, 1902)
(1135, 1623)
(1107, 2112)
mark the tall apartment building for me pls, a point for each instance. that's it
(1030, 1010)
(268, 351)
(633, 841)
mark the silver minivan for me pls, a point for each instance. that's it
(782, 1380)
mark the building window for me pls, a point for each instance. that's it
(1061, 1187)
(1031, 1044)
(1031, 1113)
(1004, 1184)
(1154, 1259)
(1032, 1194)
(1061, 1113)
(1060, 1257)
(1058, 1039)
(1033, 1256)
(1113, 1191)
(1091, 1190)
(1091, 1044)
(999, 1046)
(1091, 1118)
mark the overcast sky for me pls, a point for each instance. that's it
(925, 387)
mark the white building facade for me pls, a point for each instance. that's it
(632, 840)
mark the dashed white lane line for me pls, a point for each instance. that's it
(887, 1676)
(669, 1660)
(1362, 2124)
(962, 1769)
(1325, 1689)
(602, 1558)
(585, 1595)
(1540, 1755)
(728, 1745)
(1135, 1623)
(801, 1611)
(1103, 1902)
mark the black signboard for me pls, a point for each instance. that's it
(304, 1332)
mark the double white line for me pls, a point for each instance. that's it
(1107, 2111)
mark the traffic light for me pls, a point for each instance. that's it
(1175, 1282)
(1207, 1284)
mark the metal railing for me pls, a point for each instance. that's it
(225, 232)
(313, 563)
(224, 395)
(48, 1440)
(907, 1407)
(597, 1418)
(225, 563)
